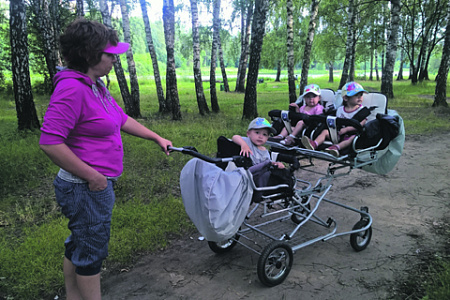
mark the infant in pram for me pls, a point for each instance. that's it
(266, 170)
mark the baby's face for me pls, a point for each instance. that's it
(258, 136)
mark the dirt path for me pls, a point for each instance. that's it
(407, 206)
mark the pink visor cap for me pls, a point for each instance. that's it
(119, 49)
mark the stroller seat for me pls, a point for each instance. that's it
(263, 174)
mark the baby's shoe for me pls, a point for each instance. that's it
(308, 143)
(277, 138)
(288, 141)
(333, 150)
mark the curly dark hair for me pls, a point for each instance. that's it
(83, 42)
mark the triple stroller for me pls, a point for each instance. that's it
(294, 212)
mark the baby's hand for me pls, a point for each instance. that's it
(278, 164)
(245, 151)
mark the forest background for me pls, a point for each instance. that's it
(348, 40)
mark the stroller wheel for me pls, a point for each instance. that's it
(275, 263)
(360, 240)
(303, 214)
(225, 246)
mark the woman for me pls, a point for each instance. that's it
(81, 134)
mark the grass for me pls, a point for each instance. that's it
(149, 211)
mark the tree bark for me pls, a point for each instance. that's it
(47, 37)
(26, 111)
(133, 108)
(308, 45)
(400, 70)
(387, 75)
(290, 50)
(348, 44)
(330, 72)
(80, 8)
(245, 38)
(171, 75)
(258, 30)
(152, 51)
(277, 79)
(212, 73)
(440, 94)
(201, 101)
(222, 67)
(120, 75)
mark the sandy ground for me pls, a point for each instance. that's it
(408, 206)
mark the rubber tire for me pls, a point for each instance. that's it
(275, 263)
(225, 246)
(297, 219)
(360, 240)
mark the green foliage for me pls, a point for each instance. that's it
(438, 286)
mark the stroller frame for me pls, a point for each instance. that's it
(301, 207)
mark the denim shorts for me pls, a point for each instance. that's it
(89, 215)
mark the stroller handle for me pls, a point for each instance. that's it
(240, 161)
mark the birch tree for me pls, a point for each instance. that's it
(26, 111)
(258, 30)
(120, 75)
(246, 25)
(133, 107)
(212, 73)
(222, 66)
(308, 44)
(43, 22)
(171, 75)
(290, 50)
(201, 101)
(391, 51)
(440, 95)
(151, 49)
(348, 43)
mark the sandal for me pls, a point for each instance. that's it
(277, 138)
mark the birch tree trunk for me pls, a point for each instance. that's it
(152, 51)
(308, 45)
(133, 108)
(330, 72)
(222, 67)
(258, 30)
(290, 50)
(47, 36)
(212, 73)
(387, 75)
(400, 71)
(245, 38)
(26, 111)
(201, 101)
(80, 8)
(348, 43)
(120, 75)
(171, 75)
(440, 94)
(277, 79)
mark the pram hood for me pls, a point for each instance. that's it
(216, 201)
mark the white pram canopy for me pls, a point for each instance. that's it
(216, 201)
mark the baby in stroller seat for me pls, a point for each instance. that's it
(266, 170)
(352, 94)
